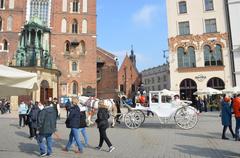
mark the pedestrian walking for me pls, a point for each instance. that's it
(226, 116)
(73, 122)
(102, 124)
(83, 124)
(46, 127)
(33, 116)
(56, 107)
(22, 111)
(236, 110)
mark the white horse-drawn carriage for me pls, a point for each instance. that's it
(184, 115)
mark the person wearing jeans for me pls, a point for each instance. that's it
(46, 127)
(73, 122)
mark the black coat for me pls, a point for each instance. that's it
(33, 116)
(47, 120)
(73, 120)
(83, 122)
(102, 118)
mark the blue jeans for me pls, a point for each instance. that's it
(41, 143)
(74, 135)
(237, 127)
(84, 134)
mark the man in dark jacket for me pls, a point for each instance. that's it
(46, 127)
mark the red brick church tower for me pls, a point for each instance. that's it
(72, 38)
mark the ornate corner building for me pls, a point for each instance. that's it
(57, 35)
(198, 46)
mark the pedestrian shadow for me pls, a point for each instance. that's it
(198, 135)
(22, 134)
(206, 152)
(14, 125)
(29, 148)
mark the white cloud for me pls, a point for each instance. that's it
(145, 16)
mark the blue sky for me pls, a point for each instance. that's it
(141, 23)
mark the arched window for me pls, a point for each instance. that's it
(64, 26)
(82, 47)
(74, 88)
(40, 9)
(75, 6)
(216, 83)
(75, 26)
(67, 47)
(9, 23)
(85, 5)
(5, 45)
(2, 4)
(74, 66)
(213, 58)
(1, 24)
(218, 54)
(64, 5)
(187, 88)
(84, 26)
(186, 59)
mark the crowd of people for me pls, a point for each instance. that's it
(42, 122)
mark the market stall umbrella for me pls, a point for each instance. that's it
(167, 92)
(207, 91)
(232, 90)
(14, 82)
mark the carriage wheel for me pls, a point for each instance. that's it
(186, 118)
(142, 116)
(133, 119)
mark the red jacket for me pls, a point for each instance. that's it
(236, 107)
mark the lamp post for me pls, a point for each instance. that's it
(165, 56)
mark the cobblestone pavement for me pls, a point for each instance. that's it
(152, 140)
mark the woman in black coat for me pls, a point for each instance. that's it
(102, 124)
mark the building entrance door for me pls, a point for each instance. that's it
(45, 91)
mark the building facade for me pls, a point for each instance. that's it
(107, 74)
(156, 78)
(128, 76)
(234, 13)
(71, 37)
(198, 46)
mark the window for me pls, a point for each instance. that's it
(2, 3)
(182, 7)
(209, 5)
(75, 6)
(186, 59)
(159, 79)
(213, 58)
(74, 66)
(85, 5)
(74, 88)
(1, 24)
(40, 9)
(216, 83)
(84, 26)
(184, 28)
(210, 25)
(152, 80)
(67, 47)
(64, 5)
(153, 88)
(75, 26)
(164, 78)
(11, 4)
(5, 45)
(159, 87)
(9, 23)
(64, 26)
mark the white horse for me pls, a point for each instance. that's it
(92, 105)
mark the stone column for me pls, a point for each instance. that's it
(29, 37)
(36, 39)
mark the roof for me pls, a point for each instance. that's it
(110, 55)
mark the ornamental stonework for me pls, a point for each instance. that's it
(198, 41)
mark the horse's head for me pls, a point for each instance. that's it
(83, 99)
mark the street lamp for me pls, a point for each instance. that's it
(165, 56)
